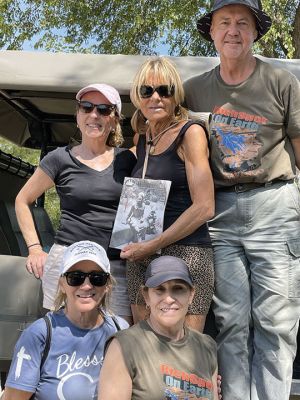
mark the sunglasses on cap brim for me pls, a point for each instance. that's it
(162, 90)
(77, 278)
(102, 109)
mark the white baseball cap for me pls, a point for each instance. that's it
(108, 91)
(85, 250)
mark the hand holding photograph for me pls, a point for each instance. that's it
(140, 214)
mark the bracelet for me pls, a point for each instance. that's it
(34, 244)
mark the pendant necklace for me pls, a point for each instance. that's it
(152, 142)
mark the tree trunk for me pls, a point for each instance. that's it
(296, 33)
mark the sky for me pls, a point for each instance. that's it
(161, 49)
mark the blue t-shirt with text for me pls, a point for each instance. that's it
(71, 369)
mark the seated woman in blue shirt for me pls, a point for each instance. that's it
(79, 328)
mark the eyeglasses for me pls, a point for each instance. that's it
(147, 91)
(77, 278)
(102, 109)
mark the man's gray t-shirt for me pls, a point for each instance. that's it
(252, 123)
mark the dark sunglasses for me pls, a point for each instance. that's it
(103, 109)
(163, 91)
(76, 278)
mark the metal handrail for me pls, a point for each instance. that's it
(15, 165)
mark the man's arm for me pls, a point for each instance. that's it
(296, 148)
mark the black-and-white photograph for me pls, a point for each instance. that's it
(141, 210)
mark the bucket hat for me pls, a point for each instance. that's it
(263, 21)
(166, 268)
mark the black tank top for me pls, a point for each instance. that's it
(169, 166)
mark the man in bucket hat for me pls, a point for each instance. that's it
(255, 147)
(262, 20)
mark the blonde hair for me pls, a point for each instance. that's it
(163, 69)
(115, 137)
(61, 298)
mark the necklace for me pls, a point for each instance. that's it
(152, 142)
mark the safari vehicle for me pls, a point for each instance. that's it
(37, 111)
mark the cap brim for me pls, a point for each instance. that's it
(163, 277)
(67, 266)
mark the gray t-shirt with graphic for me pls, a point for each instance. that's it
(252, 123)
(162, 369)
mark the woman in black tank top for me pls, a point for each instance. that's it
(177, 151)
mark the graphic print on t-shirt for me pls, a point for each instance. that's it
(21, 356)
(73, 370)
(235, 134)
(181, 385)
(74, 374)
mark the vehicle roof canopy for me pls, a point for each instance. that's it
(37, 90)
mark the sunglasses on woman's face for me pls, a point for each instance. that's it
(102, 109)
(77, 278)
(147, 91)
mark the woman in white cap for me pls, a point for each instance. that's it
(88, 179)
(161, 358)
(63, 361)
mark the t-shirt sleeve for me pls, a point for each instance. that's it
(191, 91)
(292, 108)
(124, 163)
(24, 373)
(50, 164)
(187, 87)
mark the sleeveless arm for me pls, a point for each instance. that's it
(114, 370)
(194, 151)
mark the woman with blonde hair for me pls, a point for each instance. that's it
(170, 147)
(63, 361)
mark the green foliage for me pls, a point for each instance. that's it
(33, 156)
(28, 155)
(132, 27)
(278, 42)
(52, 207)
(127, 27)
